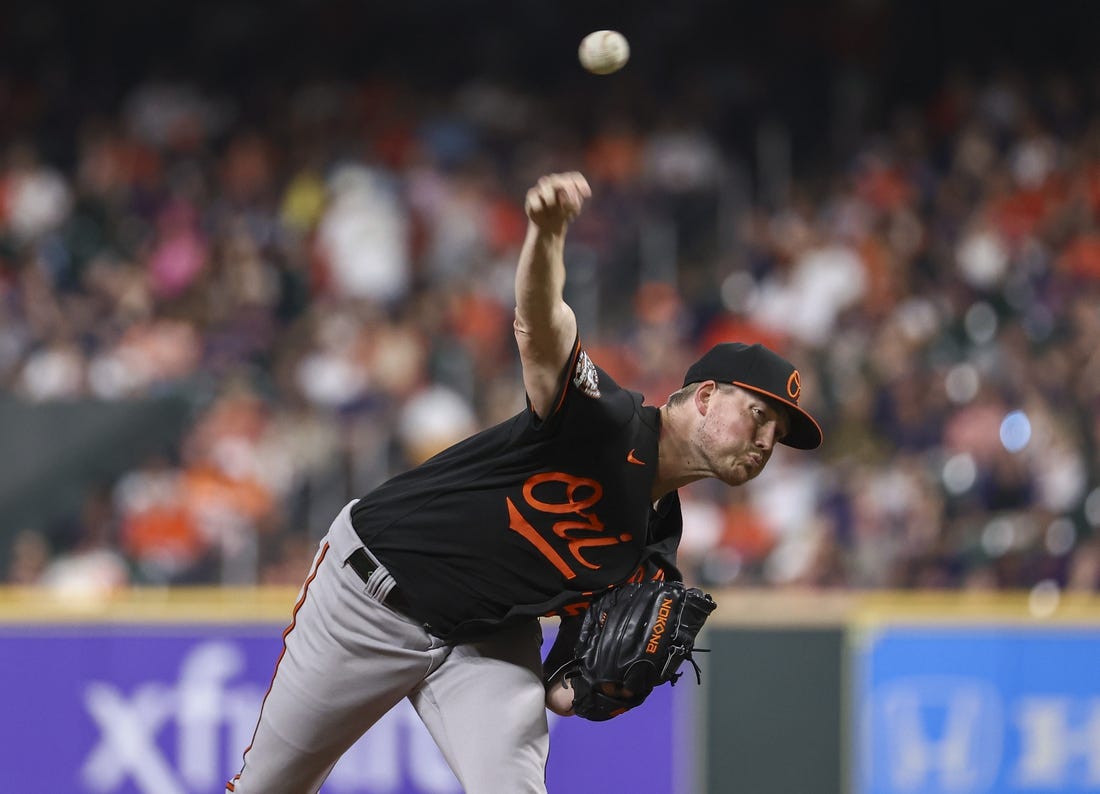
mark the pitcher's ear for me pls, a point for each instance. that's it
(704, 392)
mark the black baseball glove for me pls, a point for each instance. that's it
(633, 638)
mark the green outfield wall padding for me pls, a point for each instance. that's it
(51, 454)
(773, 711)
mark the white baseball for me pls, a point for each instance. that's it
(604, 51)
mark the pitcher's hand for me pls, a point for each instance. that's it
(556, 200)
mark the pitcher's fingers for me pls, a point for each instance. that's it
(576, 189)
(569, 199)
(579, 183)
(534, 203)
(547, 188)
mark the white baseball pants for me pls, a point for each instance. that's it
(348, 659)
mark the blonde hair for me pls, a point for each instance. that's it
(682, 394)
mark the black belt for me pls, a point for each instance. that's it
(364, 566)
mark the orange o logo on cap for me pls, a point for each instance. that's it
(794, 385)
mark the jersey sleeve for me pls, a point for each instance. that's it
(665, 530)
(588, 399)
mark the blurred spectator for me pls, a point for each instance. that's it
(30, 554)
(91, 564)
(158, 531)
(34, 198)
(363, 236)
(326, 272)
(432, 420)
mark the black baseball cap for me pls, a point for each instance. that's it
(758, 369)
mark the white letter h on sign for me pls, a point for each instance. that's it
(939, 734)
(1048, 744)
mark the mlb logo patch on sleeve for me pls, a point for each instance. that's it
(585, 376)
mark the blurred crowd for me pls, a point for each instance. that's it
(331, 285)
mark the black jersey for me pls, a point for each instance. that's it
(530, 516)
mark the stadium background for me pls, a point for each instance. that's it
(255, 257)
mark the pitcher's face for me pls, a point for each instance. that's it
(738, 432)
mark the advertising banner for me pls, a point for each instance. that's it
(148, 709)
(978, 710)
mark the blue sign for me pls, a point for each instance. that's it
(169, 710)
(978, 710)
